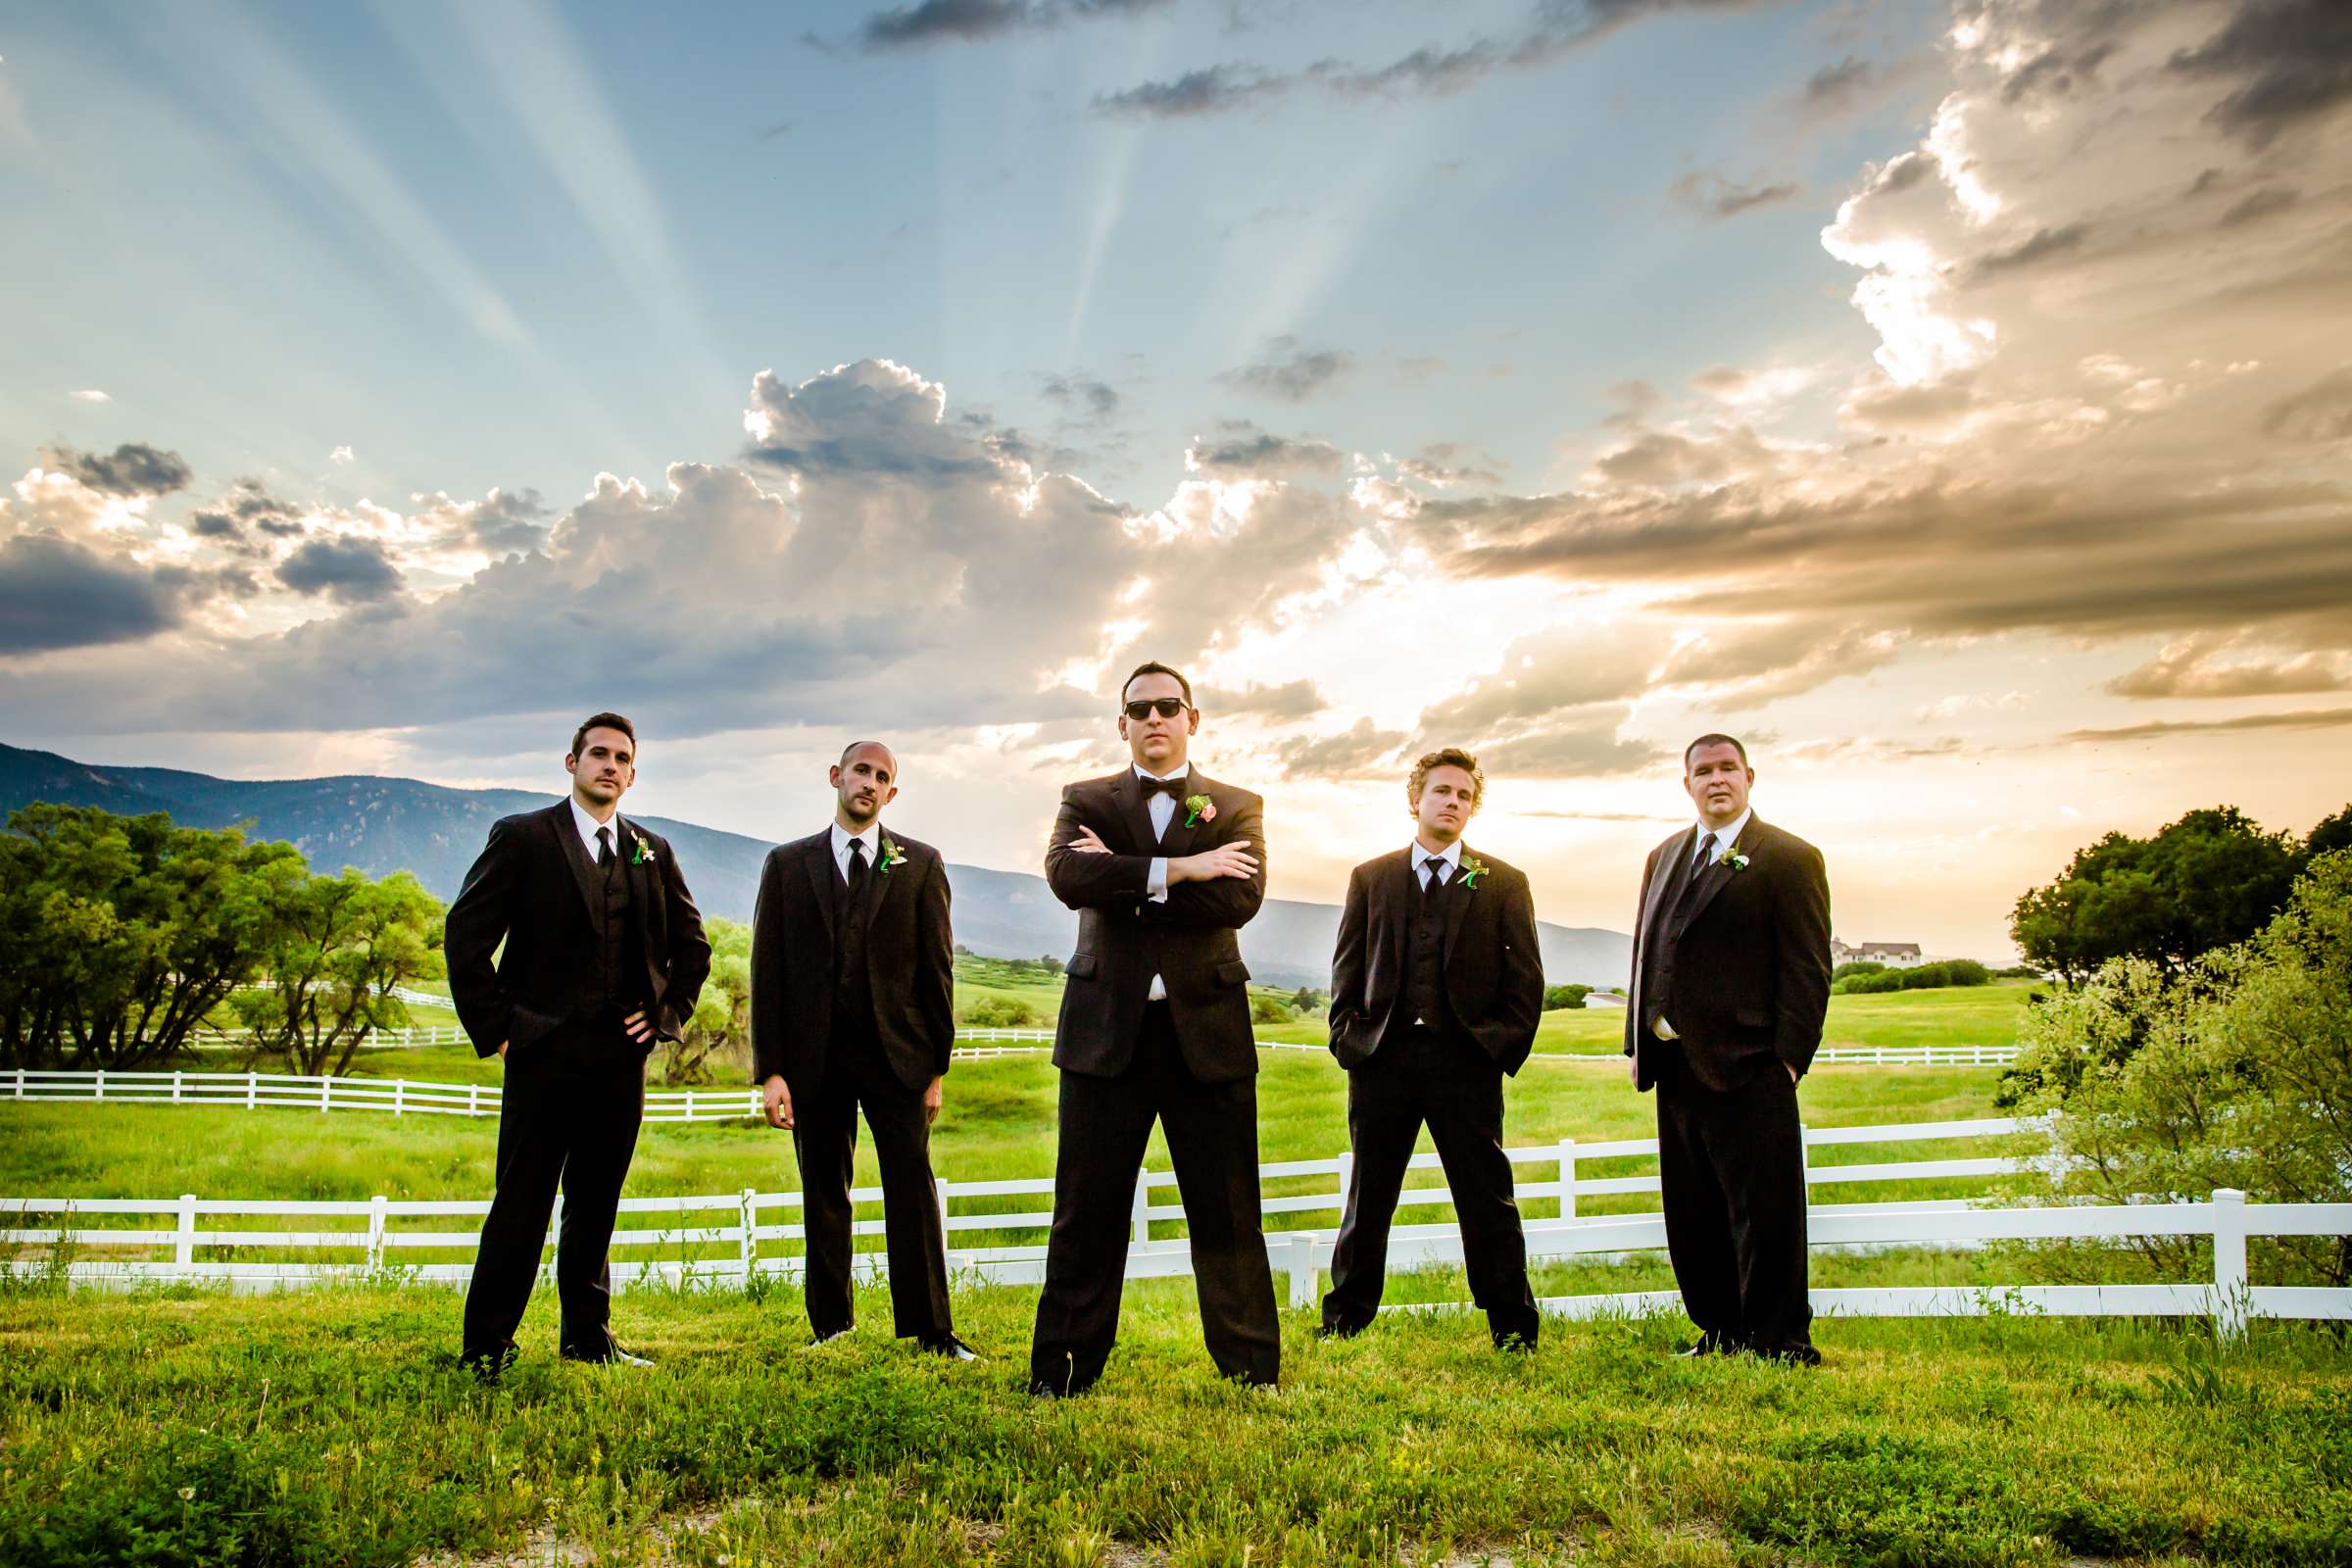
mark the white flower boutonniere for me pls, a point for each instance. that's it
(1734, 858)
(1472, 869)
(645, 851)
(892, 855)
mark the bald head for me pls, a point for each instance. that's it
(864, 780)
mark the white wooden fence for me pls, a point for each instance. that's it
(726, 1239)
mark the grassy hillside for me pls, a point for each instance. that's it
(330, 1428)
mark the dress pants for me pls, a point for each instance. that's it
(1731, 1170)
(568, 1117)
(1213, 1141)
(824, 1139)
(1420, 1075)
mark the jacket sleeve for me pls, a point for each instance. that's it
(689, 950)
(935, 966)
(1635, 1003)
(1230, 900)
(1347, 964)
(1519, 997)
(1082, 880)
(768, 973)
(1800, 901)
(477, 923)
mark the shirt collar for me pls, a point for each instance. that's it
(586, 826)
(1141, 771)
(1729, 834)
(1451, 855)
(842, 837)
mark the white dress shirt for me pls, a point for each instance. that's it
(1717, 840)
(588, 825)
(1163, 808)
(843, 838)
(1448, 860)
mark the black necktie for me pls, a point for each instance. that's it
(856, 871)
(1703, 859)
(603, 847)
(1434, 881)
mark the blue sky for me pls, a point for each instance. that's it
(1950, 397)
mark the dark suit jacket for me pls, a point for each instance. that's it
(1124, 938)
(533, 888)
(1493, 971)
(910, 962)
(1752, 966)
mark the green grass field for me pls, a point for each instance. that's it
(332, 1428)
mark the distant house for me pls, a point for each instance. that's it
(1605, 999)
(1893, 954)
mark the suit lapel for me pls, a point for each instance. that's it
(1457, 896)
(575, 855)
(816, 859)
(644, 886)
(1179, 838)
(1667, 885)
(877, 880)
(1712, 880)
(1128, 791)
(1404, 894)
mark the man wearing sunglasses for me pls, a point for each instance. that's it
(1163, 866)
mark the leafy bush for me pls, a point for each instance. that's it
(1558, 997)
(1268, 1010)
(1854, 967)
(1000, 1012)
(2235, 1071)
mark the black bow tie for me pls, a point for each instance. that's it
(1172, 788)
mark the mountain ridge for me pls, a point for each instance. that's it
(383, 825)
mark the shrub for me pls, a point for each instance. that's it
(1268, 1010)
(1556, 998)
(998, 1012)
(1854, 967)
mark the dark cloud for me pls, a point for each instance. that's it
(2055, 72)
(247, 505)
(509, 520)
(56, 594)
(1240, 449)
(1361, 751)
(1445, 464)
(2290, 59)
(2035, 248)
(1087, 398)
(1588, 748)
(865, 422)
(1289, 370)
(1291, 700)
(1705, 191)
(134, 469)
(1832, 86)
(2258, 205)
(1428, 72)
(944, 21)
(1211, 90)
(2321, 411)
(350, 571)
(1901, 173)
(2301, 718)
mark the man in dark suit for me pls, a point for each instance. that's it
(1436, 991)
(1163, 866)
(603, 955)
(854, 1005)
(1731, 982)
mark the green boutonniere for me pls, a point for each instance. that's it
(892, 855)
(645, 851)
(1199, 808)
(1472, 869)
(1735, 860)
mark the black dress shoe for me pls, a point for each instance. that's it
(816, 1339)
(613, 1355)
(1707, 1344)
(947, 1345)
(1512, 1342)
(1340, 1331)
(1793, 1355)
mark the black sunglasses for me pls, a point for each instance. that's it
(1169, 707)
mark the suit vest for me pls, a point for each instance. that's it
(1425, 997)
(620, 943)
(853, 985)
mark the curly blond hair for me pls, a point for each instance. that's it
(1447, 756)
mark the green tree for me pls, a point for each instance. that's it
(2235, 1071)
(998, 1012)
(2331, 834)
(1556, 998)
(1268, 1010)
(122, 934)
(2201, 883)
(721, 1026)
(337, 949)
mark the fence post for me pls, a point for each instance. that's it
(473, 1100)
(1346, 1176)
(1303, 1281)
(183, 1244)
(176, 1086)
(253, 1081)
(20, 1083)
(2230, 1295)
(327, 1091)
(400, 1096)
(376, 1235)
(1567, 1178)
(554, 1234)
(690, 1104)
(101, 1095)
(1141, 1208)
(1804, 1158)
(940, 1185)
(751, 1232)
